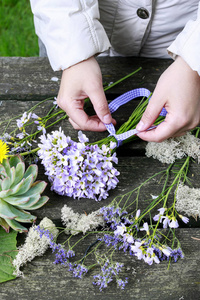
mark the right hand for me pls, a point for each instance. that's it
(79, 82)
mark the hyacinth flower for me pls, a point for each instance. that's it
(78, 169)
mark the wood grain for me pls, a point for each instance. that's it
(30, 79)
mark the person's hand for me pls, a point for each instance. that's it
(178, 90)
(79, 82)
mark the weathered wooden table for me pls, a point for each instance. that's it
(30, 79)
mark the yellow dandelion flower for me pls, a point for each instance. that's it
(3, 151)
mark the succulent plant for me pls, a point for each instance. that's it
(19, 192)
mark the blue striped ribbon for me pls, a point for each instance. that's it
(121, 100)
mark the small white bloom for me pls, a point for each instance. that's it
(137, 214)
(54, 78)
(34, 245)
(184, 219)
(120, 230)
(173, 223)
(145, 228)
(154, 197)
(76, 223)
(166, 251)
(129, 238)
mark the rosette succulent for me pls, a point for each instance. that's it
(19, 192)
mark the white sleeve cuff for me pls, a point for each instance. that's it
(187, 44)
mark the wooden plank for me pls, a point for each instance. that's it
(30, 78)
(44, 280)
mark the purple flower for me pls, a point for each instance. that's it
(166, 250)
(137, 214)
(109, 270)
(61, 255)
(173, 223)
(145, 228)
(78, 169)
(121, 283)
(166, 221)
(120, 229)
(184, 219)
(161, 213)
(79, 270)
(137, 250)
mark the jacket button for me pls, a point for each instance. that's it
(142, 13)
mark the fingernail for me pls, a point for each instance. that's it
(107, 119)
(140, 126)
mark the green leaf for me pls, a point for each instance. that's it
(14, 160)
(12, 175)
(6, 165)
(36, 188)
(40, 203)
(8, 251)
(8, 211)
(16, 200)
(6, 193)
(4, 224)
(23, 186)
(24, 216)
(5, 184)
(31, 201)
(16, 226)
(19, 173)
(5, 210)
(2, 170)
(32, 169)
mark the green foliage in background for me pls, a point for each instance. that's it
(17, 33)
(8, 251)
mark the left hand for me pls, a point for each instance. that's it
(178, 90)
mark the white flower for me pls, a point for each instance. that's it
(166, 251)
(137, 250)
(188, 200)
(129, 238)
(184, 219)
(173, 223)
(137, 214)
(145, 228)
(120, 230)
(76, 223)
(174, 148)
(34, 245)
(161, 213)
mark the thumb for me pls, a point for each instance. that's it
(151, 113)
(100, 104)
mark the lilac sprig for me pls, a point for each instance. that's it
(109, 271)
(78, 169)
(62, 256)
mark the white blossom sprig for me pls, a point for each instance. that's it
(34, 245)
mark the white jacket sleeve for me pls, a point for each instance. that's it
(70, 30)
(187, 44)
